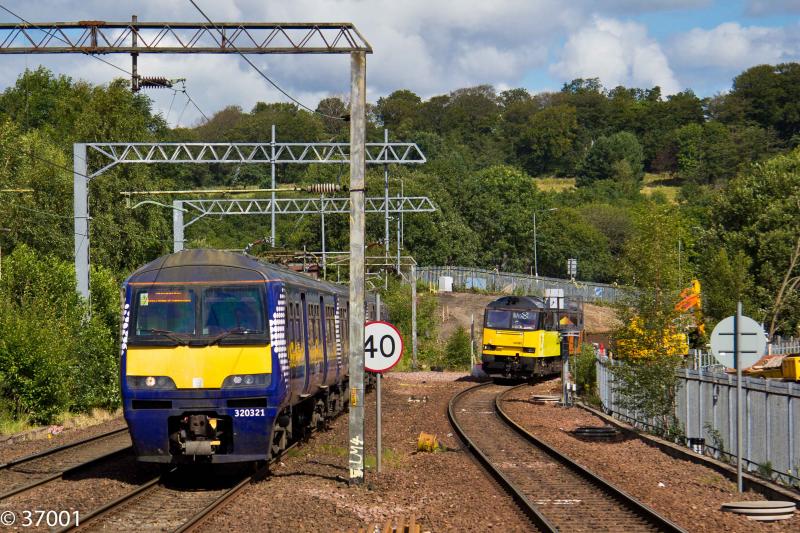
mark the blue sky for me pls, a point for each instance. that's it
(434, 46)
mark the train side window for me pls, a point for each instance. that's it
(314, 325)
(298, 324)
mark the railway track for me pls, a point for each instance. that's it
(553, 491)
(28, 472)
(177, 501)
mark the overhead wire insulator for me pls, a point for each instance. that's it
(323, 188)
(150, 82)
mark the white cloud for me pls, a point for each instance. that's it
(617, 52)
(427, 46)
(733, 47)
(770, 7)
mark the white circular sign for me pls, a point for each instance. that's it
(752, 341)
(383, 346)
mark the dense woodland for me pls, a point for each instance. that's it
(644, 189)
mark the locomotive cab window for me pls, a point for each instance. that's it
(513, 320)
(166, 309)
(528, 320)
(233, 309)
(197, 315)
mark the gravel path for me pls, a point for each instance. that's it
(686, 493)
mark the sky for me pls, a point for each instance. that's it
(435, 46)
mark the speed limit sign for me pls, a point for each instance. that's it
(383, 346)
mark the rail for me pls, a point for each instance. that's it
(602, 506)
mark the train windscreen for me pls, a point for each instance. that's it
(199, 315)
(514, 320)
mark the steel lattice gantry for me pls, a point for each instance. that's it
(99, 37)
(286, 206)
(90, 160)
(113, 154)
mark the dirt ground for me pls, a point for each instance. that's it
(457, 309)
(688, 494)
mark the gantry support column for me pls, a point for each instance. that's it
(358, 102)
(177, 225)
(80, 204)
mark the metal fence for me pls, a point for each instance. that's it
(706, 408)
(493, 281)
(781, 346)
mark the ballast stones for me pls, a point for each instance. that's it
(763, 511)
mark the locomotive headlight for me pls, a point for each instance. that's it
(150, 382)
(247, 380)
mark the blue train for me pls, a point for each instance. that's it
(227, 359)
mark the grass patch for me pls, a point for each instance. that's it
(390, 458)
(330, 449)
(670, 193)
(711, 480)
(9, 426)
(553, 184)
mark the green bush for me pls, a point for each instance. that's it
(53, 356)
(585, 371)
(456, 353)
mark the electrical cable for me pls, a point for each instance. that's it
(129, 73)
(249, 62)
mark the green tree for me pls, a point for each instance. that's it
(617, 157)
(548, 141)
(706, 153)
(770, 96)
(726, 281)
(758, 213)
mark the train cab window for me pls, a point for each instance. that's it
(497, 319)
(526, 320)
(237, 309)
(166, 309)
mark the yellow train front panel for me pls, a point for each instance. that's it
(510, 343)
(198, 367)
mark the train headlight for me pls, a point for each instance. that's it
(150, 382)
(247, 380)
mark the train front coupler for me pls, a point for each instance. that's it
(198, 435)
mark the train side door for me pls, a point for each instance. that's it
(307, 344)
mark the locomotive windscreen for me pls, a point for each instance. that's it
(197, 314)
(515, 320)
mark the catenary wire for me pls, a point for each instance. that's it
(261, 73)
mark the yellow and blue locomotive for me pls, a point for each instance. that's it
(227, 359)
(522, 336)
